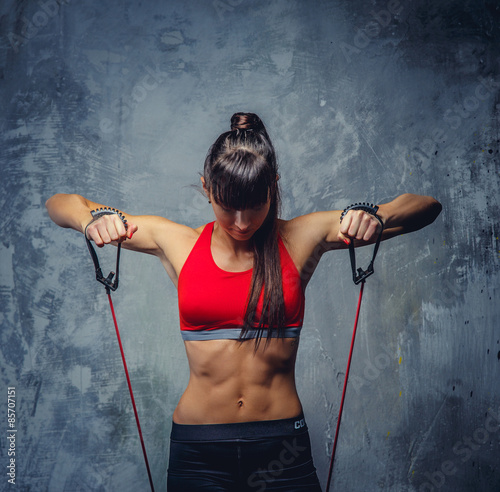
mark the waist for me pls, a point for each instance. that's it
(239, 430)
(237, 382)
(234, 333)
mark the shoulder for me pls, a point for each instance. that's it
(311, 229)
(176, 239)
(181, 231)
(308, 237)
(170, 241)
(156, 234)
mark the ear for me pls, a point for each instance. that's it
(205, 188)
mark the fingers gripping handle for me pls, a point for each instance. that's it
(361, 275)
(358, 274)
(108, 281)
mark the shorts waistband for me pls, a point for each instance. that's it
(239, 430)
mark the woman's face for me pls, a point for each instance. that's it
(241, 224)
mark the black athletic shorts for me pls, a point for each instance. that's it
(250, 456)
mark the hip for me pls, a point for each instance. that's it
(245, 456)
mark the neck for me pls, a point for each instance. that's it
(228, 242)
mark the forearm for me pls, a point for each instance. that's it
(72, 211)
(409, 212)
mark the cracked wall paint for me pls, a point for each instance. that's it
(121, 101)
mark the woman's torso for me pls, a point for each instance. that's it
(232, 381)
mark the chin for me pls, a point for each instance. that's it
(242, 236)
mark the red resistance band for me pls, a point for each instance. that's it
(358, 276)
(112, 286)
(345, 387)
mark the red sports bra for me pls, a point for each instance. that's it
(212, 301)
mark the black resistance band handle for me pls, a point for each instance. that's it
(108, 281)
(112, 286)
(360, 275)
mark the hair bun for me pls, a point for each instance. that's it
(246, 121)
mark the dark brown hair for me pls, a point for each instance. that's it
(241, 172)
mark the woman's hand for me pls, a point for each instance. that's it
(158, 236)
(360, 225)
(108, 229)
(75, 211)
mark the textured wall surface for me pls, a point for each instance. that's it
(120, 100)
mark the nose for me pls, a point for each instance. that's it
(242, 220)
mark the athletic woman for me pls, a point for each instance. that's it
(241, 280)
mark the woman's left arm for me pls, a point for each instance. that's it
(311, 235)
(406, 213)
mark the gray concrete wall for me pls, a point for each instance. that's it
(120, 100)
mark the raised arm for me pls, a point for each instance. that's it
(309, 236)
(406, 213)
(74, 211)
(158, 236)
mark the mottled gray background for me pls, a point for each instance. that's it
(119, 101)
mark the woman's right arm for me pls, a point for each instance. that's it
(169, 241)
(74, 211)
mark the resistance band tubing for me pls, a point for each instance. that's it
(130, 390)
(345, 386)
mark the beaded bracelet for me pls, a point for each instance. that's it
(98, 213)
(366, 207)
(360, 275)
